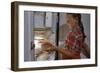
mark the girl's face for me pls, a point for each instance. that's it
(72, 22)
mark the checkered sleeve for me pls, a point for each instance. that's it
(74, 41)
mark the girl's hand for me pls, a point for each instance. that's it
(47, 46)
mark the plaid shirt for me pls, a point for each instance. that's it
(75, 40)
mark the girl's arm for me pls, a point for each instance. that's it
(65, 52)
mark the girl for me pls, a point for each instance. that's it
(75, 41)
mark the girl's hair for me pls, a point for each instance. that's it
(80, 24)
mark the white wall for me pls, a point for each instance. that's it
(86, 23)
(5, 37)
(28, 22)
